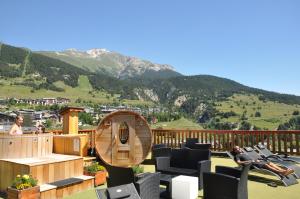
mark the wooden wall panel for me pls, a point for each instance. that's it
(51, 172)
(58, 144)
(25, 146)
(47, 171)
(65, 144)
(49, 194)
(32, 151)
(8, 172)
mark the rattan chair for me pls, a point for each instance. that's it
(190, 162)
(226, 183)
(146, 184)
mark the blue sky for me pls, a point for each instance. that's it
(256, 43)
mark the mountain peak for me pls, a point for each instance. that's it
(72, 50)
(95, 52)
(101, 60)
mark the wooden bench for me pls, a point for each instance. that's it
(66, 182)
(66, 187)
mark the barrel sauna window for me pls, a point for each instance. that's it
(123, 132)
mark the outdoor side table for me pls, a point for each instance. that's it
(184, 187)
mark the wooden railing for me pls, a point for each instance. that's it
(223, 140)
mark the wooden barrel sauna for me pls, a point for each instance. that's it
(123, 138)
(26, 145)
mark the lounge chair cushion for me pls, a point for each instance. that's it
(178, 158)
(194, 156)
(248, 149)
(261, 146)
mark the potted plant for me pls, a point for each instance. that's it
(96, 170)
(23, 187)
(138, 172)
(138, 169)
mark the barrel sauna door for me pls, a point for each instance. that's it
(123, 137)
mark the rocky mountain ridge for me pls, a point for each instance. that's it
(101, 60)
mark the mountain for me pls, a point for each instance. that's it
(21, 62)
(112, 63)
(125, 77)
(200, 88)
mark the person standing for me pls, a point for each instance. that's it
(16, 128)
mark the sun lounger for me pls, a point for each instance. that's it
(268, 154)
(291, 165)
(286, 180)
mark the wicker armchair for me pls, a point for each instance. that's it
(226, 183)
(193, 143)
(190, 162)
(146, 184)
(119, 176)
(160, 150)
(189, 142)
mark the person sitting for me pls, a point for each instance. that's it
(244, 158)
(40, 129)
(16, 128)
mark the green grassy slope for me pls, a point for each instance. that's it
(182, 123)
(272, 113)
(83, 91)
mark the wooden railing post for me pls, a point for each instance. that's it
(297, 144)
(291, 144)
(268, 140)
(273, 142)
(285, 143)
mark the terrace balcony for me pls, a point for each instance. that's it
(286, 142)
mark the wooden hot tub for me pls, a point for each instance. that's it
(26, 145)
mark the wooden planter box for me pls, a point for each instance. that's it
(31, 193)
(100, 177)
